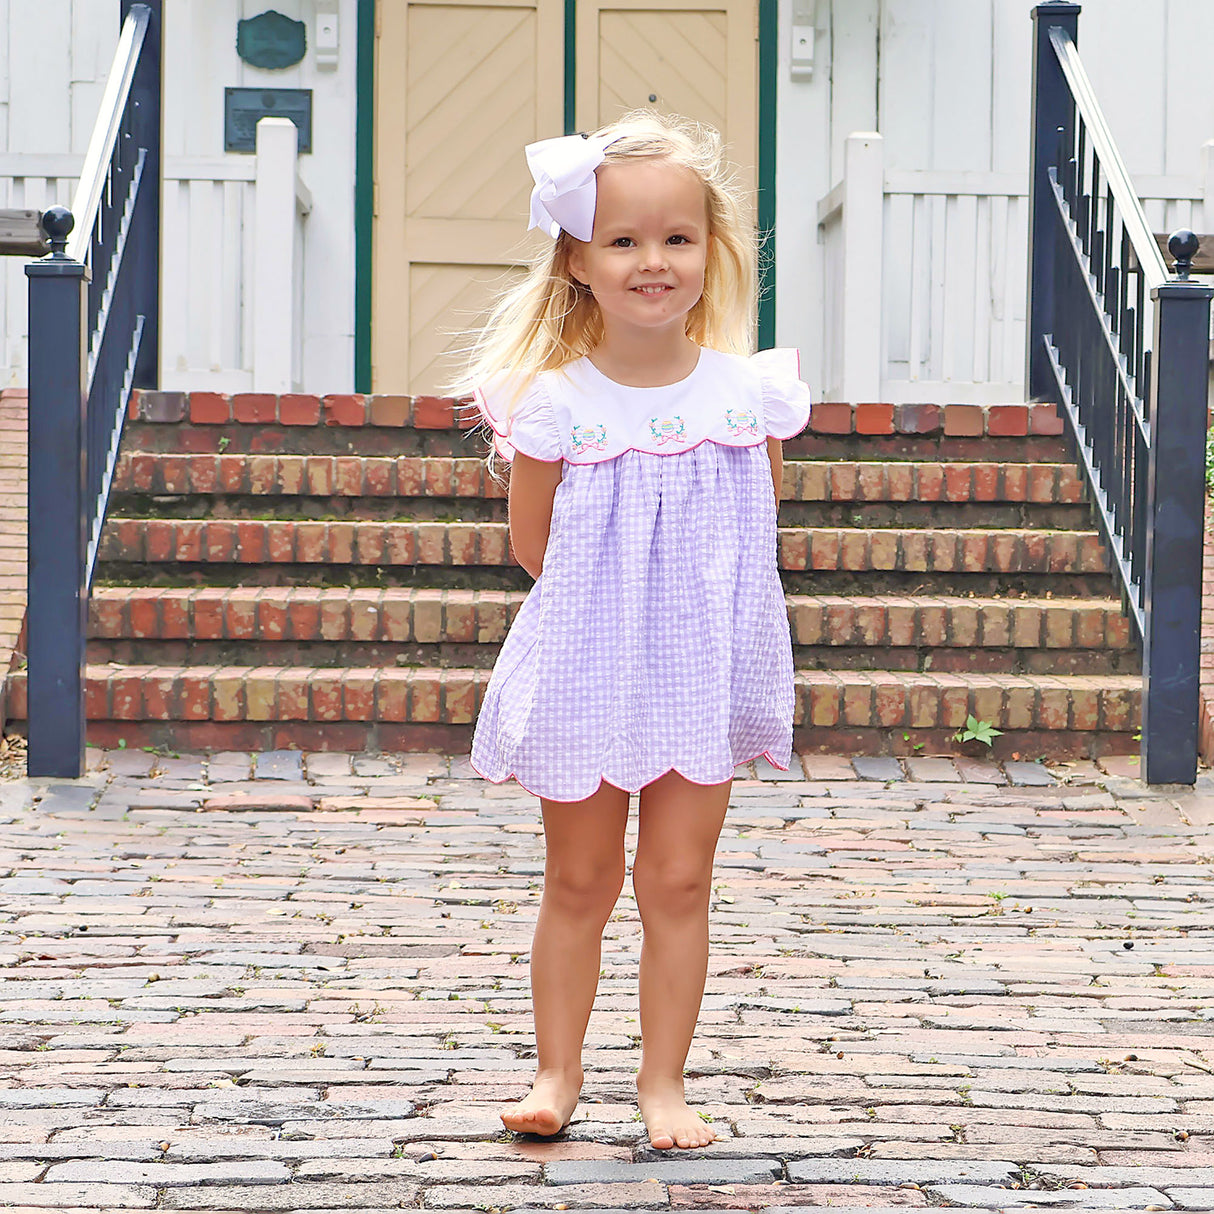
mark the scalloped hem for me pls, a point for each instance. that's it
(764, 754)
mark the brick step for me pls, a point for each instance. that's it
(451, 655)
(446, 438)
(477, 510)
(931, 481)
(305, 626)
(296, 410)
(287, 541)
(417, 709)
(405, 476)
(849, 481)
(274, 615)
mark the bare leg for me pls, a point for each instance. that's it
(583, 875)
(679, 825)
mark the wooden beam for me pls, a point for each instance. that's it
(21, 234)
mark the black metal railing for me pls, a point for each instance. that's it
(94, 307)
(1124, 352)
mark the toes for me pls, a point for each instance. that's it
(526, 1121)
(697, 1136)
(533, 1121)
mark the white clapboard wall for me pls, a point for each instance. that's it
(54, 56)
(946, 83)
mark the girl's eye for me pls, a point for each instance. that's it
(622, 242)
(677, 240)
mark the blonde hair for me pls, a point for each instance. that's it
(549, 319)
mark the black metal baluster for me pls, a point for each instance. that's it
(1117, 419)
(1094, 199)
(1141, 371)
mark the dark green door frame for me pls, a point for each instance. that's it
(364, 193)
(364, 171)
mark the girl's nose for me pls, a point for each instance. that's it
(654, 257)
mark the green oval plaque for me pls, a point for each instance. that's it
(271, 40)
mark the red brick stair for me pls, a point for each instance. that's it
(335, 573)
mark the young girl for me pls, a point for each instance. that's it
(653, 651)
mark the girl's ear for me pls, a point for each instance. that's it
(576, 263)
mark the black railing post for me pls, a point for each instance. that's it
(147, 125)
(1051, 101)
(1171, 656)
(56, 593)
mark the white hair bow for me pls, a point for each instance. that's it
(565, 193)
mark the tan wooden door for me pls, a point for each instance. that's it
(460, 87)
(689, 57)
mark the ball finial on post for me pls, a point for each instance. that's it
(57, 223)
(1183, 246)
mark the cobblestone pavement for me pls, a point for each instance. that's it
(300, 983)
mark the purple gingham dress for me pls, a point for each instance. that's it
(656, 636)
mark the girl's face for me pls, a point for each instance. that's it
(644, 262)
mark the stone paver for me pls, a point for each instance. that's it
(932, 770)
(281, 982)
(277, 765)
(877, 767)
(1027, 774)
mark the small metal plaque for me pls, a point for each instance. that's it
(271, 40)
(242, 108)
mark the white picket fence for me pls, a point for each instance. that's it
(233, 232)
(925, 275)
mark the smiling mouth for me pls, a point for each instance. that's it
(659, 289)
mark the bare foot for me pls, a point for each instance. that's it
(547, 1108)
(668, 1119)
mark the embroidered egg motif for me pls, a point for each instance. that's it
(741, 421)
(668, 430)
(587, 438)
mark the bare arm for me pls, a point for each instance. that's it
(775, 452)
(533, 485)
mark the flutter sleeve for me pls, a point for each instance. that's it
(786, 402)
(520, 421)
